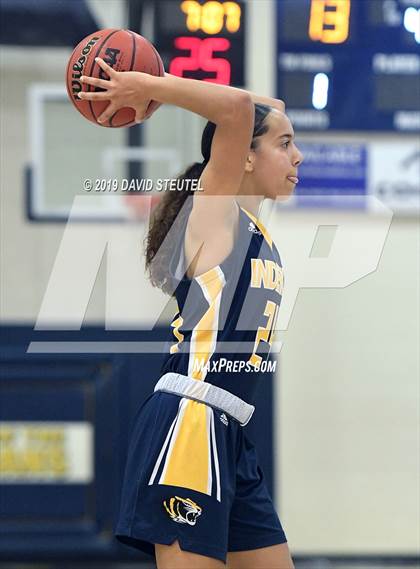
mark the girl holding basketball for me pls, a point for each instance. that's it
(194, 494)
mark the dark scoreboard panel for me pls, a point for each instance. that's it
(350, 64)
(202, 39)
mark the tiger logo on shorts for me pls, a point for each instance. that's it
(183, 510)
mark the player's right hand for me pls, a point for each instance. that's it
(123, 89)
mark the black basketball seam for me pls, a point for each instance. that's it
(93, 65)
(125, 124)
(133, 57)
(158, 59)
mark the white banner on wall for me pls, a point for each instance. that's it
(42, 452)
(394, 174)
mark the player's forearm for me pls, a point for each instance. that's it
(212, 101)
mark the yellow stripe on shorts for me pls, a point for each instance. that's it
(188, 461)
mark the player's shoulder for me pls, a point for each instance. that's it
(207, 243)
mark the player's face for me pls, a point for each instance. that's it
(277, 158)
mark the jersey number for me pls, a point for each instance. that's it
(265, 333)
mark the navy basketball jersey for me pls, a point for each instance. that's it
(192, 474)
(223, 328)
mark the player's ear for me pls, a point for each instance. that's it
(249, 164)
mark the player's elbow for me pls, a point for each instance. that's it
(241, 109)
(280, 105)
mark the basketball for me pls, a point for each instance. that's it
(123, 50)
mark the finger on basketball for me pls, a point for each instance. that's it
(95, 82)
(107, 68)
(140, 117)
(143, 112)
(108, 112)
(94, 96)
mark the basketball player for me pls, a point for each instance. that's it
(194, 494)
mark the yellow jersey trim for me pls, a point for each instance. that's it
(260, 226)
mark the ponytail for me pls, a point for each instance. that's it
(170, 210)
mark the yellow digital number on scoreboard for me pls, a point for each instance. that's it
(334, 13)
(210, 16)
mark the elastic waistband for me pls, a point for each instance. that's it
(214, 396)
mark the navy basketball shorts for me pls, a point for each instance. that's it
(192, 475)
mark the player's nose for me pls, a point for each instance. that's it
(298, 157)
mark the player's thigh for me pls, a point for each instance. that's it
(173, 557)
(272, 557)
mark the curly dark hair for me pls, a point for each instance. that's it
(166, 213)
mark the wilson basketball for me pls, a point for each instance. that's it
(123, 50)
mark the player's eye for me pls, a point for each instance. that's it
(286, 144)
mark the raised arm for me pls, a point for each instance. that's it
(135, 89)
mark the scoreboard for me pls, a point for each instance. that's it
(341, 64)
(350, 64)
(202, 39)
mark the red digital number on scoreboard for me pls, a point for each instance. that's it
(202, 58)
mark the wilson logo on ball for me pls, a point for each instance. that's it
(79, 66)
(110, 57)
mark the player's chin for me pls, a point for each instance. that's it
(282, 193)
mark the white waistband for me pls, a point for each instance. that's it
(213, 395)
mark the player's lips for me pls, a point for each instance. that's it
(293, 179)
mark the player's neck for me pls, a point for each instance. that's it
(250, 203)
